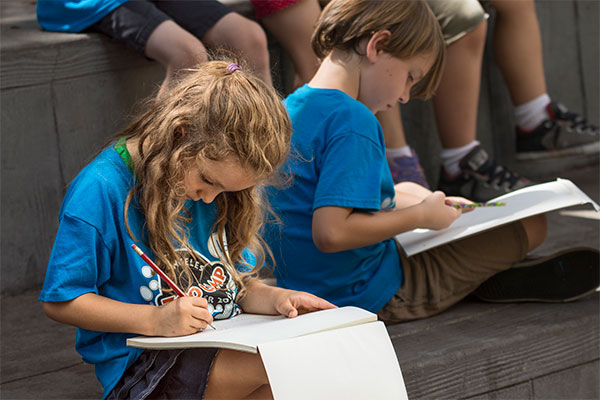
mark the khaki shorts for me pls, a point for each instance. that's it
(457, 17)
(438, 278)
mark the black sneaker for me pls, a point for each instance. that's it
(481, 179)
(565, 276)
(565, 133)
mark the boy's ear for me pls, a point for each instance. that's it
(376, 44)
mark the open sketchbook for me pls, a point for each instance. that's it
(342, 353)
(520, 204)
(246, 332)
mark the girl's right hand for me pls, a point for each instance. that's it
(182, 316)
(436, 213)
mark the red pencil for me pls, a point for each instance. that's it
(162, 275)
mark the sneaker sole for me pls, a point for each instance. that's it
(561, 277)
(591, 148)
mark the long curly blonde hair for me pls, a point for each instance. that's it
(213, 113)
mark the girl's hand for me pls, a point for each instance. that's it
(452, 200)
(182, 316)
(436, 213)
(292, 303)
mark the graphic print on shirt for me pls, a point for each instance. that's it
(210, 280)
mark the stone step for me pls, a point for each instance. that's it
(473, 351)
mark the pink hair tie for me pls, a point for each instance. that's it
(233, 67)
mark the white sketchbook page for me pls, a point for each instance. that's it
(246, 331)
(350, 363)
(522, 203)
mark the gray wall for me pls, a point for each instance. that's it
(63, 95)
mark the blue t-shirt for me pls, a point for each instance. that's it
(92, 254)
(73, 15)
(337, 159)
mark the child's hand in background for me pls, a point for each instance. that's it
(182, 316)
(436, 213)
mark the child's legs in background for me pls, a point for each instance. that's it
(292, 26)
(218, 27)
(170, 32)
(438, 278)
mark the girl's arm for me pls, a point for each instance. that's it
(264, 299)
(338, 228)
(182, 316)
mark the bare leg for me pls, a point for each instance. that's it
(457, 97)
(293, 27)
(536, 228)
(175, 48)
(237, 375)
(244, 37)
(518, 49)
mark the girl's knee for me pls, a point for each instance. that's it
(536, 228)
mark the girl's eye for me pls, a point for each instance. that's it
(410, 77)
(205, 179)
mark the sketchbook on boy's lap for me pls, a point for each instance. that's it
(522, 203)
(342, 353)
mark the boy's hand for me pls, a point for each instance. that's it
(436, 213)
(182, 316)
(292, 303)
(452, 200)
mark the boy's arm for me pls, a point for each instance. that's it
(337, 228)
(183, 316)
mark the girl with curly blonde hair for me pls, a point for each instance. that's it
(184, 183)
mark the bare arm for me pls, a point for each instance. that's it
(182, 316)
(336, 228)
(264, 299)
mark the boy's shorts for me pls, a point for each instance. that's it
(439, 278)
(457, 17)
(134, 21)
(166, 374)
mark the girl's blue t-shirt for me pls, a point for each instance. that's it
(337, 159)
(92, 254)
(73, 15)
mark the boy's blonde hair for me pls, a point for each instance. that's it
(213, 113)
(344, 24)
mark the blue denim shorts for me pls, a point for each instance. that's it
(166, 374)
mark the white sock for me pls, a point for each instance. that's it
(451, 157)
(404, 151)
(531, 114)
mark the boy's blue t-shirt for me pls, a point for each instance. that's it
(337, 159)
(73, 15)
(92, 254)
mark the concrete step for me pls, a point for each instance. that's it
(473, 351)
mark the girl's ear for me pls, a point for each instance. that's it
(376, 44)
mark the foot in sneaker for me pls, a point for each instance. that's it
(481, 179)
(564, 133)
(409, 169)
(565, 276)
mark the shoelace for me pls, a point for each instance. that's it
(578, 123)
(500, 176)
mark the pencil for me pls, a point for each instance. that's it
(162, 275)
(492, 204)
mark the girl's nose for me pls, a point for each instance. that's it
(208, 196)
